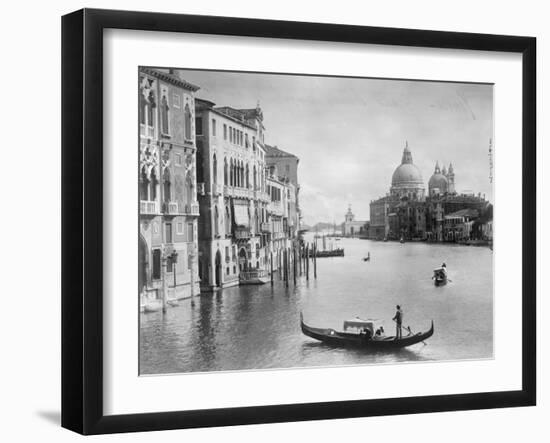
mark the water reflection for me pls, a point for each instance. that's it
(258, 327)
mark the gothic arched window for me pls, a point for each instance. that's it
(216, 221)
(227, 220)
(225, 172)
(187, 118)
(166, 185)
(164, 116)
(247, 177)
(153, 186)
(143, 185)
(214, 170)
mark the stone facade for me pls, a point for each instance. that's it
(167, 187)
(233, 231)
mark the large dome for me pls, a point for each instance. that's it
(406, 174)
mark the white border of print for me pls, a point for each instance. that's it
(125, 392)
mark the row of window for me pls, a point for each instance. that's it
(147, 105)
(234, 135)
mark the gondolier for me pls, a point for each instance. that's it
(398, 319)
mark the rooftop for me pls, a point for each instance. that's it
(274, 151)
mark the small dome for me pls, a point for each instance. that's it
(438, 181)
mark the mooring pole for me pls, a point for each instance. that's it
(307, 262)
(271, 264)
(315, 261)
(294, 264)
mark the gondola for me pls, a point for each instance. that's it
(440, 277)
(355, 339)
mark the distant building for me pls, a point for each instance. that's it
(168, 209)
(352, 227)
(284, 166)
(442, 215)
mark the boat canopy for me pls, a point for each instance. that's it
(359, 324)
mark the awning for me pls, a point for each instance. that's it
(241, 215)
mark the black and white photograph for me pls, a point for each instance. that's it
(296, 221)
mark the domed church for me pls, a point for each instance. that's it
(407, 179)
(442, 182)
(407, 213)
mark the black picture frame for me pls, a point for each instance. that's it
(82, 220)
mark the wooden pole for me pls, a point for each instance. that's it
(300, 258)
(294, 264)
(271, 264)
(286, 267)
(164, 288)
(315, 261)
(192, 281)
(307, 262)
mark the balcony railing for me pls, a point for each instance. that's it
(170, 208)
(275, 208)
(278, 235)
(265, 227)
(148, 207)
(242, 233)
(192, 208)
(146, 131)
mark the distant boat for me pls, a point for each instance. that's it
(254, 277)
(151, 306)
(361, 338)
(330, 253)
(440, 277)
(367, 258)
(401, 240)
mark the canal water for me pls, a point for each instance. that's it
(258, 327)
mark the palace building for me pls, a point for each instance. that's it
(168, 208)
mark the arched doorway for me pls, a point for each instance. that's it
(143, 261)
(218, 271)
(243, 260)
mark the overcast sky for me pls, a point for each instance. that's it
(350, 133)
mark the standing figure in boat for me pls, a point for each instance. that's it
(398, 319)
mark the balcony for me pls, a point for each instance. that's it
(170, 208)
(191, 209)
(217, 189)
(278, 235)
(146, 131)
(265, 227)
(241, 233)
(275, 208)
(147, 207)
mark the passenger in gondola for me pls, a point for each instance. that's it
(379, 334)
(398, 319)
(367, 334)
(444, 270)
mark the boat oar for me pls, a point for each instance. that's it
(408, 329)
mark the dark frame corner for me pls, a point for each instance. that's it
(82, 131)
